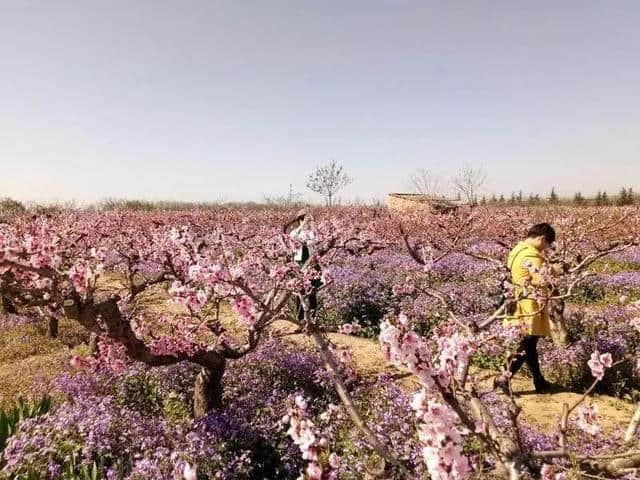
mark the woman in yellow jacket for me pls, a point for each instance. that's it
(529, 312)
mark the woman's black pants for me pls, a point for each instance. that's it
(527, 353)
(313, 305)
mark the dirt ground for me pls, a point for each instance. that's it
(542, 411)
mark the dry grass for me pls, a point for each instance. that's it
(30, 377)
(29, 360)
(24, 341)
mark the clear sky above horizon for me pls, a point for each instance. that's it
(203, 100)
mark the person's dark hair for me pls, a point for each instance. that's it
(297, 219)
(542, 229)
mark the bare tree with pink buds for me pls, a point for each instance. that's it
(328, 180)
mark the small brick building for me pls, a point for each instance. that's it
(401, 201)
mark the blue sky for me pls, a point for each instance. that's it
(190, 100)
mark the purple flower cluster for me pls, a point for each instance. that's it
(621, 280)
(361, 290)
(459, 265)
(605, 330)
(631, 255)
(93, 428)
(10, 320)
(469, 298)
(123, 422)
(389, 411)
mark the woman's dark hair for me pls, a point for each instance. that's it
(542, 229)
(297, 219)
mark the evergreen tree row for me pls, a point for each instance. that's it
(625, 197)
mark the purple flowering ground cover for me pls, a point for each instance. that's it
(361, 293)
(619, 272)
(621, 280)
(361, 289)
(137, 425)
(630, 255)
(606, 329)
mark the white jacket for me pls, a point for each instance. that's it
(305, 236)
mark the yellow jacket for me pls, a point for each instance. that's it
(537, 324)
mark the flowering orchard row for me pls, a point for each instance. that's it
(61, 266)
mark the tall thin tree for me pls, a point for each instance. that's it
(328, 180)
(468, 182)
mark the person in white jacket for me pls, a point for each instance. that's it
(303, 232)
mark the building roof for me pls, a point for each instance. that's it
(422, 198)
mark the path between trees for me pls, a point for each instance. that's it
(540, 410)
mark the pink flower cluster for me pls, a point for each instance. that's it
(305, 277)
(598, 363)
(193, 298)
(111, 355)
(165, 345)
(402, 346)
(36, 247)
(246, 309)
(184, 338)
(442, 451)
(349, 328)
(309, 439)
(42, 246)
(546, 473)
(455, 351)
(588, 419)
(280, 272)
(406, 288)
(81, 275)
(439, 425)
(207, 274)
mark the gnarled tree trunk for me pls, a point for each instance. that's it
(6, 305)
(208, 386)
(207, 394)
(52, 327)
(93, 343)
(559, 332)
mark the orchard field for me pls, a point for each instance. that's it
(166, 345)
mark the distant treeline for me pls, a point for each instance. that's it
(625, 196)
(11, 206)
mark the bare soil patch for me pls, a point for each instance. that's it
(543, 411)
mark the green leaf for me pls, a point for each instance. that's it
(21, 409)
(10, 420)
